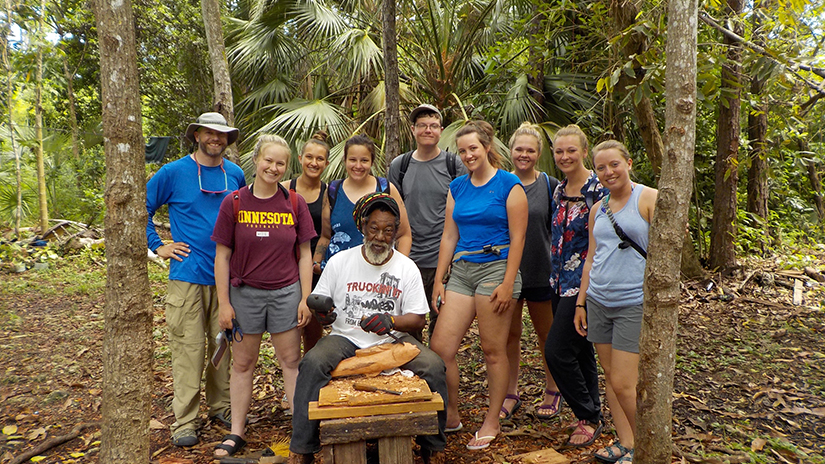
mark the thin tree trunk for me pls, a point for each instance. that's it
(624, 13)
(392, 123)
(657, 343)
(536, 61)
(72, 112)
(222, 82)
(127, 336)
(723, 229)
(757, 134)
(42, 193)
(18, 212)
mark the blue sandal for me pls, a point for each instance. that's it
(610, 454)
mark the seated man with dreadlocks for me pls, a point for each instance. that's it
(375, 291)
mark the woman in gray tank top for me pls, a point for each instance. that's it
(611, 287)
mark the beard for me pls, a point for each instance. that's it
(379, 258)
(210, 150)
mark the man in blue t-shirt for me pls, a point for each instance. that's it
(193, 188)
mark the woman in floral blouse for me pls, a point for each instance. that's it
(570, 357)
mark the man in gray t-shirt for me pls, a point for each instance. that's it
(423, 177)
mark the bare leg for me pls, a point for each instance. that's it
(514, 356)
(493, 329)
(541, 314)
(454, 319)
(625, 368)
(288, 350)
(244, 359)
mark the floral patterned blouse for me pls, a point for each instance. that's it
(569, 234)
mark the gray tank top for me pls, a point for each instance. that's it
(617, 275)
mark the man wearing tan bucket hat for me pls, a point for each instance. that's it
(193, 188)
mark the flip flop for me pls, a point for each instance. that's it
(554, 407)
(454, 429)
(580, 430)
(482, 446)
(509, 414)
(230, 449)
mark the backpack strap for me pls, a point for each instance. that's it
(405, 164)
(332, 192)
(236, 204)
(293, 184)
(451, 165)
(383, 185)
(293, 199)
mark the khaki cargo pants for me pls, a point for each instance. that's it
(192, 322)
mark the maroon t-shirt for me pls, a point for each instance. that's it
(263, 238)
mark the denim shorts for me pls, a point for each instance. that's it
(619, 327)
(259, 311)
(480, 278)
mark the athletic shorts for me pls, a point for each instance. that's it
(537, 294)
(480, 278)
(619, 327)
(259, 311)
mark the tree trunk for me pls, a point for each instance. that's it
(72, 112)
(127, 337)
(536, 61)
(757, 133)
(624, 13)
(42, 193)
(723, 230)
(18, 212)
(657, 343)
(211, 10)
(392, 123)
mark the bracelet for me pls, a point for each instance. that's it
(581, 306)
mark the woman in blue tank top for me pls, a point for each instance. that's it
(338, 231)
(609, 304)
(484, 230)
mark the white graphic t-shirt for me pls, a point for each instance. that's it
(359, 289)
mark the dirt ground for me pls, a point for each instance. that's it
(749, 385)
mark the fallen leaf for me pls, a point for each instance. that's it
(9, 430)
(38, 458)
(36, 434)
(77, 455)
(155, 424)
(758, 443)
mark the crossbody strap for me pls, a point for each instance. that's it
(626, 241)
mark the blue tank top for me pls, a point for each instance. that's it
(345, 234)
(481, 215)
(617, 275)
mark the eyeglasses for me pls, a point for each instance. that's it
(433, 126)
(200, 183)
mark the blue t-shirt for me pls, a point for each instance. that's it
(192, 213)
(481, 215)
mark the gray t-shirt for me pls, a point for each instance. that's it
(535, 262)
(425, 187)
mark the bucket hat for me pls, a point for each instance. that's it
(214, 121)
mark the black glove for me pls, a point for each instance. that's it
(326, 317)
(322, 307)
(379, 323)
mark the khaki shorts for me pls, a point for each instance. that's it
(480, 278)
(619, 327)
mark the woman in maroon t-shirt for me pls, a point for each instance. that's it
(260, 281)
